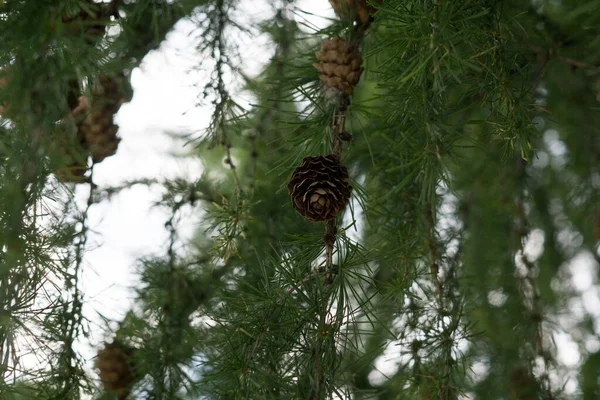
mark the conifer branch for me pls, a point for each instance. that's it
(72, 308)
(221, 104)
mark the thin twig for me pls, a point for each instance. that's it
(309, 277)
(219, 43)
(229, 161)
(434, 253)
(337, 127)
(253, 163)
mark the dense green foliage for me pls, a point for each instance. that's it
(474, 162)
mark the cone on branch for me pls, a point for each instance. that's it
(116, 367)
(98, 128)
(319, 188)
(340, 68)
(359, 11)
(96, 131)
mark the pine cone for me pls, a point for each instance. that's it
(319, 188)
(100, 134)
(115, 366)
(340, 67)
(355, 10)
(97, 128)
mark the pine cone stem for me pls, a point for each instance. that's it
(329, 239)
(337, 128)
(229, 161)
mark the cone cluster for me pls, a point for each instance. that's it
(354, 10)
(96, 130)
(339, 65)
(116, 368)
(319, 188)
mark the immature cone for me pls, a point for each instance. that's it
(96, 131)
(355, 10)
(319, 188)
(115, 366)
(340, 67)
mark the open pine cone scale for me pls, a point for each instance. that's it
(319, 188)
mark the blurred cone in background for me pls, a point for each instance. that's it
(116, 367)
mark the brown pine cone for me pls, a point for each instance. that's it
(97, 128)
(319, 188)
(111, 92)
(340, 67)
(116, 368)
(355, 10)
(100, 134)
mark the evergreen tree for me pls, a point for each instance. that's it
(404, 212)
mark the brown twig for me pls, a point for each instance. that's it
(434, 252)
(337, 129)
